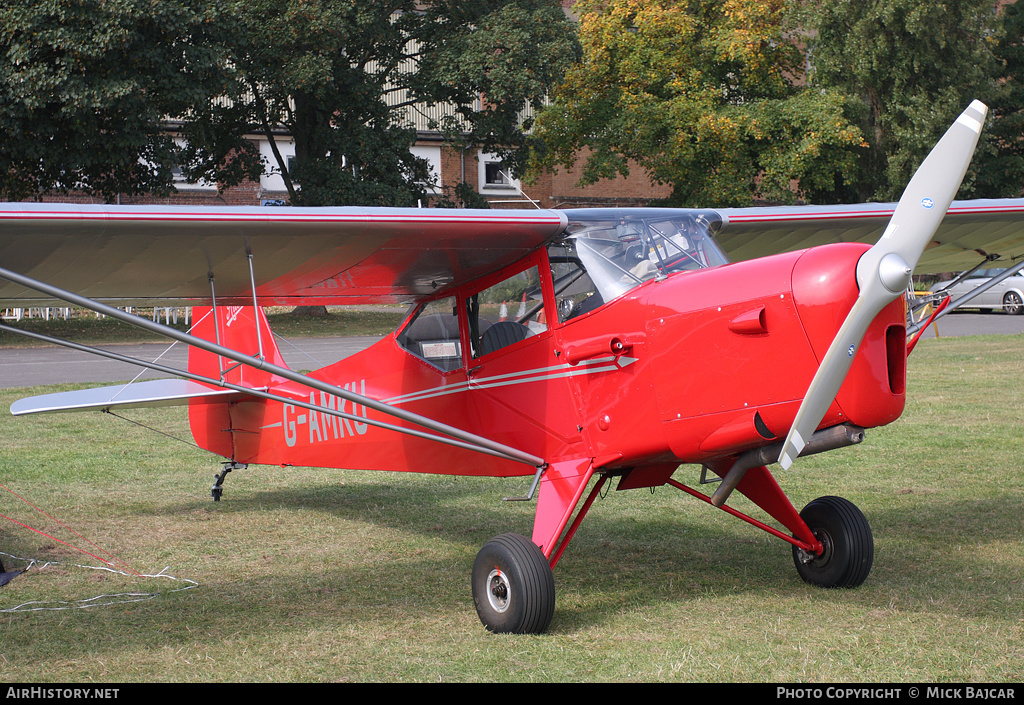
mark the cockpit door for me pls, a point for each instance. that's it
(519, 383)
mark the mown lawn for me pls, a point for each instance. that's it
(317, 575)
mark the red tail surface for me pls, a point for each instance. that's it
(243, 329)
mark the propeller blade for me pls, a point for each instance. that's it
(884, 271)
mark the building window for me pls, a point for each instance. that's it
(433, 156)
(181, 182)
(271, 179)
(291, 169)
(495, 176)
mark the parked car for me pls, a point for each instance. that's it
(1007, 295)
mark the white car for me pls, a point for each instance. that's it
(1007, 295)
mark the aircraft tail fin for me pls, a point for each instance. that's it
(243, 329)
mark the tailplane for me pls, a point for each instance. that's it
(237, 328)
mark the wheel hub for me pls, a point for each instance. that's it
(499, 592)
(1012, 303)
(826, 550)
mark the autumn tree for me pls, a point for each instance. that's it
(705, 95)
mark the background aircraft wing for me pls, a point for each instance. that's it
(131, 255)
(970, 231)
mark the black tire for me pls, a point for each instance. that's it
(513, 586)
(1012, 303)
(848, 546)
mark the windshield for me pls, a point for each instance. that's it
(622, 248)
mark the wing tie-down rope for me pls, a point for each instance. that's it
(67, 528)
(102, 600)
(109, 566)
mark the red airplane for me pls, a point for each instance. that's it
(577, 347)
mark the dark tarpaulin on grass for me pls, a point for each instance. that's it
(8, 576)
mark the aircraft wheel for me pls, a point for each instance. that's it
(848, 546)
(1012, 303)
(513, 586)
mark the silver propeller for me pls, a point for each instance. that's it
(884, 271)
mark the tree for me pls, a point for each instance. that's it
(319, 73)
(1000, 163)
(85, 87)
(909, 68)
(340, 77)
(705, 95)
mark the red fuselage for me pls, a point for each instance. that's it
(687, 368)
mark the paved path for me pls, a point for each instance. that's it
(27, 367)
(957, 324)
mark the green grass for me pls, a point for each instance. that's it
(326, 575)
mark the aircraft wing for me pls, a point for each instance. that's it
(131, 255)
(139, 255)
(970, 231)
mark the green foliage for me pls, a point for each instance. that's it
(1000, 164)
(342, 78)
(507, 56)
(320, 71)
(909, 69)
(702, 95)
(85, 86)
(461, 195)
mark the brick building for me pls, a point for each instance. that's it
(450, 165)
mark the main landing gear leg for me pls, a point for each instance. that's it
(513, 583)
(832, 542)
(218, 487)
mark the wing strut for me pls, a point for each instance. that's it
(458, 436)
(255, 304)
(970, 295)
(216, 320)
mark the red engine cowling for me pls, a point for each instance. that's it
(824, 290)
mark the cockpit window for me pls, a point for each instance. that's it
(607, 252)
(433, 335)
(505, 313)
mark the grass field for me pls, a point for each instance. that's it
(312, 575)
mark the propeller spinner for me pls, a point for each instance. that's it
(884, 271)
